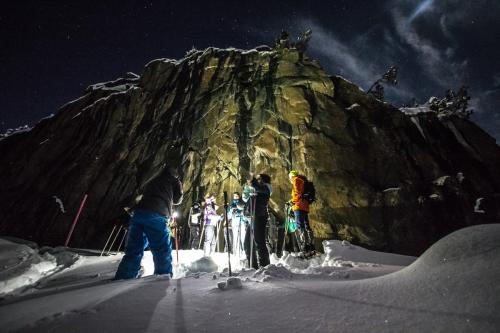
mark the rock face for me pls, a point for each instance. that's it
(384, 179)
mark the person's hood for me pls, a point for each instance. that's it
(269, 187)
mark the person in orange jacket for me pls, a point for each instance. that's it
(301, 210)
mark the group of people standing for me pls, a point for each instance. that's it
(248, 215)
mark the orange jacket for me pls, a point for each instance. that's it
(299, 203)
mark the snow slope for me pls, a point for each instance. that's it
(452, 287)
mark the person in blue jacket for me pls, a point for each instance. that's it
(148, 226)
(235, 214)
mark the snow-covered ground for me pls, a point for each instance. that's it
(452, 287)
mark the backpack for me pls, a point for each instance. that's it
(290, 223)
(309, 191)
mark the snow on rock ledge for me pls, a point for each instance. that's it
(416, 110)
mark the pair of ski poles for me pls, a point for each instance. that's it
(114, 239)
(125, 234)
(237, 244)
(201, 235)
(129, 213)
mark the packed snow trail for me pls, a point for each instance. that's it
(452, 287)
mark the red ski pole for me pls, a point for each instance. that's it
(75, 220)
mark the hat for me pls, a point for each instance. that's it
(265, 178)
(293, 173)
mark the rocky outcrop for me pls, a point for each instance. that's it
(384, 179)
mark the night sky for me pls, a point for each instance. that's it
(51, 51)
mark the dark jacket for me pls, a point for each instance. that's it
(262, 200)
(161, 193)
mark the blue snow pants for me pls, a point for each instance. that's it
(146, 227)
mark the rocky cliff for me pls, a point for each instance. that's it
(384, 179)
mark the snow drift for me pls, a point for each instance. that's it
(22, 266)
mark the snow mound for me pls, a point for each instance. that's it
(204, 264)
(22, 266)
(194, 262)
(474, 245)
(343, 250)
(339, 257)
(64, 257)
(230, 283)
(273, 272)
(298, 265)
(457, 276)
(193, 268)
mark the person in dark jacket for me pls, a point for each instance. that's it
(257, 193)
(194, 225)
(149, 226)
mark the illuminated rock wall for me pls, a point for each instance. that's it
(380, 175)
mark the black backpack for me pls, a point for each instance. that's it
(309, 191)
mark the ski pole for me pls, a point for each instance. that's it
(227, 233)
(250, 225)
(190, 228)
(285, 230)
(174, 215)
(202, 234)
(105, 245)
(123, 238)
(177, 243)
(75, 220)
(237, 245)
(252, 237)
(114, 239)
(217, 236)
(241, 236)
